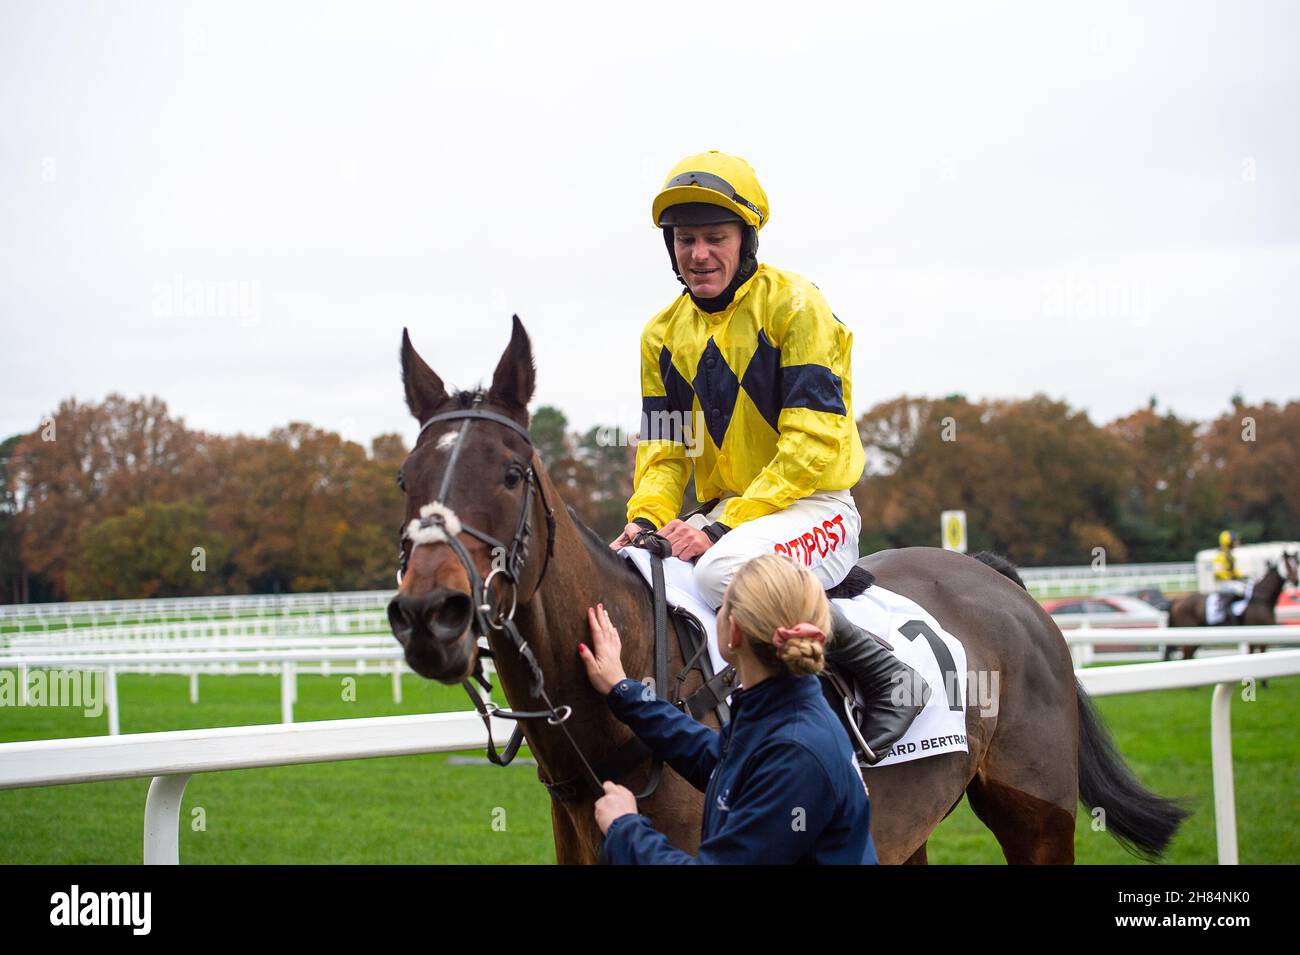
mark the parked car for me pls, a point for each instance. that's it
(1288, 606)
(1150, 595)
(1127, 611)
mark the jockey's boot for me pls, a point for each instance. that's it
(881, 677)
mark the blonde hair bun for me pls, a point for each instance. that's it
(781, 607)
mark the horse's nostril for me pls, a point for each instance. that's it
(450, 616)
(399, 621)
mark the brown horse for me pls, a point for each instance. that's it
(1261, 609)
(1034, 752)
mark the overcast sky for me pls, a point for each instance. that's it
(1097, 201)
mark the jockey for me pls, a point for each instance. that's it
(747, 377)
(1230, 578)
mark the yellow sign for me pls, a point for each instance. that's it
(952, 530)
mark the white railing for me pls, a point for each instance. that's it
(287, 662)
(1225, 673)
(1073, 621)
(171, 758)
(68, 648)
(1145, 620)
(1085, 640)
(1044, 582)
(197, 607)
(1084, 571)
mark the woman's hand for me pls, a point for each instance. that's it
(604, 666)
(625, 539)
(616, 802)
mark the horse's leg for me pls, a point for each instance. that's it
(909, 799)
(1027, 799)
(1029, 829)
(918, 857)
(571, 847)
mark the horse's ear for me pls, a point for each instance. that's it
(424, 389)
(513, 381)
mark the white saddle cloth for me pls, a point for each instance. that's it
(901, 621)
(1216, 605)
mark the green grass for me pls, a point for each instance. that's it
(408, 809)
(423, 809)
(1165, 739)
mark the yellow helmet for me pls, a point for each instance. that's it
(716, 179)
(1227, 539)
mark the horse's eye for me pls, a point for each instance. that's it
(513, 476)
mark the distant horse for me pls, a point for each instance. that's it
(1261, 609)
(484, 551)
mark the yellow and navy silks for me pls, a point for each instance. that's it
(1225, 567)
(769, 380)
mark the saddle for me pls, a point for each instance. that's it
(1227, 605)
(860, 682)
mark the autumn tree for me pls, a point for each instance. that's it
(153, 550)
(1252, 455)
(1037, 480)
(87, 462)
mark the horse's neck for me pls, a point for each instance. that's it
(1268, 588)
(553, 622)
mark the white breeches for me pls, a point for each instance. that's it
(820, 531)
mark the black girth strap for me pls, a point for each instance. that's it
(661, 626)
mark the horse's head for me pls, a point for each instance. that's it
(472, 483)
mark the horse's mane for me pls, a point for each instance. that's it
(467, 397)
(599, 548)
(1001, 565)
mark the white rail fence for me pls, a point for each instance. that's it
(1045, 582)
(343, 622)
(171, 758)
(58, 615)
(286, 661)
(1085, 640)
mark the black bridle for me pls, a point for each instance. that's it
(516, 553)
(507, 562)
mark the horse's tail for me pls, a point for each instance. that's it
(1142, 821)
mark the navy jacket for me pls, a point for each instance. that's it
(780, 781)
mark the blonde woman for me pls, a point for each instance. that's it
(780, 780)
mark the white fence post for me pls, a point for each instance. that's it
(1225, 801)
(110, 691)
(397, 681)
(288, 691)
(162, 811)
(194, 685)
